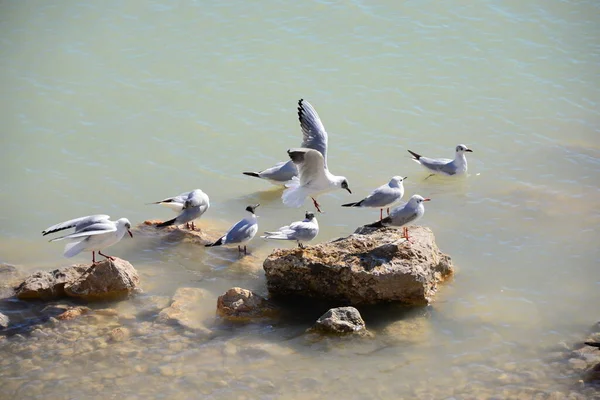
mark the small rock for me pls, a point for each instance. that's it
(46, 285)
(73, 313)
(119, 334)
(341, 320)
(106, 280)
(242, 304)
(577, 364)
(4, 321)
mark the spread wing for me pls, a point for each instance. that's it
(79, 223)
(310, 163)
(91, 230)
(314, 135)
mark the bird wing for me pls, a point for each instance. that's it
(78, 223)
(314, 135)
(310, 163)
(381, 197)
(281, 172)
(240, 232)
(403, 215)
(98, 228)
(436, 164)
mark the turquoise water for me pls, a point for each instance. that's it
(109, 106)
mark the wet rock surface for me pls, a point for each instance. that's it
(371, 266)
(242, 304)
(49, 285)
(106, 280)
(340, 320)
(184, 309)
(179, 233)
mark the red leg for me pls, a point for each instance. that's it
(93, 257)
(193, 226)
(388, 211)
(104, 255)
(187, 225)
(316, 205)
(245, 252)
(380, 214)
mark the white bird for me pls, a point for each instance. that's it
(384, 196)
(404, 214)
(445, 166)
(314, 137)
(193, 206)
(315, 178)
(300, 231)
(240, 233)
(92, 233)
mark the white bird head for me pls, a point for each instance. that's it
(123, 224)
(418, 199)
(396, 181)
(342, 182)
(461, 149)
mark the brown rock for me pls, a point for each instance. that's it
(370, 266)
(176, 233)
(242, 304)
(73, 313)
(108, 279)
(46, 285)
(341, 320)
(184, 309)
(119, 334)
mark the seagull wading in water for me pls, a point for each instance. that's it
(92, 233)
(190, 206)
(382, 197)
(314, 137)
(300, 231)
(444, 166)
(315, 179)
(242, 232)
(404, 214)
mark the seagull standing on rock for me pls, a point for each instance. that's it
(300, 231)
(315, 179)
(92, 233)
(383, 196)
(444, 166)
(404, 214)
(242, 232)
(314, 137)
(192, 207)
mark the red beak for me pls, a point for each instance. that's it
(130, 234)
(427, 199)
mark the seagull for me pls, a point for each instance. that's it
(445, 166)
(241, 232)
(315, 178)
(300, 231)
(314, 137)
(92, 233)
(383, 196)
(404, 214)
(191, 206)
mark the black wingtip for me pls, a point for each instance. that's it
(415, 155)
(593, 344)
(356, 204)
(166, 223)
(254, 174)
(217, 243)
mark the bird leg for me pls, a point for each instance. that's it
(405, 234)
(193, 226)
(245, 252)
(93, 257)
(300, 245)
(316, 205)
(428, 176)
(111, 258)
(381, 214)
(388, 211)
(187, 225)
(239, 248)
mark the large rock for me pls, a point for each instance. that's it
(242, 304)
(46, 285)
(341, 320)
(177, 233)
(370, 266)
(107, 280)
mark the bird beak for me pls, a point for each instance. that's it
(349, 191)
(256, 206)
(406, 177)
(469, 150)
(130, 234)
(427, 199)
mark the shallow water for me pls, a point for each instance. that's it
(108, 107)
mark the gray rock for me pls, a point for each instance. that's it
(368, 267)
(46, 285)
(242, 304)
(341, 320)
(106, 280)
(4, 321)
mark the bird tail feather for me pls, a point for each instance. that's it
(415, 155)
(166, 223)
(254, 174)
(217, 243)
(74, 248)
(356, 204)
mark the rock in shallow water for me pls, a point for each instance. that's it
(370, 266)
(106, 280)
(242, 304)
(185, 309)
(46, 285)
(341, 320)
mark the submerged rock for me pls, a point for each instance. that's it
(373, 265)
(73, 313)
(46, 285)
(176, 233)
(184, 310)
(106, 280)
(4, 321)
(341, 320)
(242, 304)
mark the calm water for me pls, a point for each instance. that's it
(107, 106)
